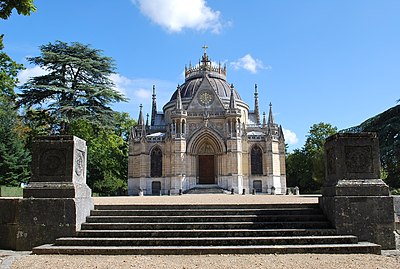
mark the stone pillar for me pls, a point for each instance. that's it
(57, 200)
(354, 198)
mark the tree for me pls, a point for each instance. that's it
(14, 157)
(305, 167)
(299, 171)
(8, 73)
(107, 153)
(77, 85)
(316, 136)
(24, 7)
(314, 148)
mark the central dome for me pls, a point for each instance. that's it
(194, 75)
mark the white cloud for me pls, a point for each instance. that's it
(140, 89)
(175, 15)
(120, 82)
(28, 73)
(290, 137)
(248, 63)
(143, 94)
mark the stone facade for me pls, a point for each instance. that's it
(354, 198)
(206, 135)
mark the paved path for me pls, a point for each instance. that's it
(209, 199)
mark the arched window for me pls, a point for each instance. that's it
(183, 127)
(256, 161)
(156, 162)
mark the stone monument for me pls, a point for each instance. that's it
(57, 199)
(354, 198)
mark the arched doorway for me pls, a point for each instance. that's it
(206, 163)
(206, 146)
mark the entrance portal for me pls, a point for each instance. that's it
(206, 169)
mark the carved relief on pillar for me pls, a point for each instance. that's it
(52, 162)
(359, 159)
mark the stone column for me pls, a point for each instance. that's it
(354, 198)
(57, 199)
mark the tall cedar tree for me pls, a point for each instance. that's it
(14, 157)
(77, 85)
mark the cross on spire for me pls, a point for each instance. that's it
(205, 47)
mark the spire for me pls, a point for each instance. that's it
(232, 102)
(147, 120)
(178, 104)
(270, 116)
(264, 120)
(256, 107)
(141, 120)
(281, 135)
(153, 107)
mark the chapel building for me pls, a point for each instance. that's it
(206, 135)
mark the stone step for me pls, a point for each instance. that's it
(201, 212)
(205, 233)
(363, 247)
(194, 219)
(210, 190)
(207, 241)
(204, 206)
(207, 225)
(207, 229)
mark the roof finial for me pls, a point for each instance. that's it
(178, 104)
(270, 116)
(147, 120)
(256, 107)
(264, 120)
(204, 59)
(205, 47)
(141, 120)
(232, 102)
(153, 106)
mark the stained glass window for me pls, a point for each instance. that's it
(156, 162)
(256, 161)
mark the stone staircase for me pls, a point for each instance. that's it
(207, 229)
(206, 189)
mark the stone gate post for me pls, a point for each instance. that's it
(354, 198)
(57, 199)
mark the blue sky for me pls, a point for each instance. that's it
(317, 61)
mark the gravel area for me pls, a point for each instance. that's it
(298, 261)
(21, 260)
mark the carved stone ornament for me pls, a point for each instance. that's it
(206, 149)
(79, 163)
(206, 98)
(359, 159)
(52, 163)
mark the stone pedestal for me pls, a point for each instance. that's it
(354, 198)
(57, 200)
